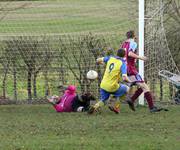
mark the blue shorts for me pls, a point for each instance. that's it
(104, 95)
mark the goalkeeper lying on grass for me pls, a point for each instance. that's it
(71, 102)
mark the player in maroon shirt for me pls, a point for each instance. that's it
(131, 56)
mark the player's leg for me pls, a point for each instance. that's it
(104, 96)
(132, 90)
(139, 91)
(143, 87)
(59, 107)
(115, 105)
(123, 90)
(147, 94)
(148, 97)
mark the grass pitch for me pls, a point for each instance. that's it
(54, 17)
(39, 127)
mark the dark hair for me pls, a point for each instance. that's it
(130, 34)
(87, 97)
(121, 52)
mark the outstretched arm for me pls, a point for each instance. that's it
(133, 55)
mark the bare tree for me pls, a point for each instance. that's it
(42, 60)
(5, 65)
(35, 54)
(81, 54)
(12, 56)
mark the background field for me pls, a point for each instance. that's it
(54, 17)
(39, 127)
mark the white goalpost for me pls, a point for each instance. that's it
(141, 44)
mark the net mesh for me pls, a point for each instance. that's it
(157, 49)
(49, 43)
(45, 44)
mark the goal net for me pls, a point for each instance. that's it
(45, 44)
(157, 48)
(49, 43)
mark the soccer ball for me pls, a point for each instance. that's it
(92, 74)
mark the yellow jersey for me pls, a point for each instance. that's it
(115, 68)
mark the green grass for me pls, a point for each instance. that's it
(22, 93)
(39, 127)
(72, 16)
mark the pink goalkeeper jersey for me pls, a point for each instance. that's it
(66, 100)
(130, 45)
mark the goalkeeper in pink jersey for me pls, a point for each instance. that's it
(64, 103)
(70, 101)
(131, 56)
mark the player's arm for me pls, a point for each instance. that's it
(133, 55)
(102, 60)
(124, 72)
(132, 49)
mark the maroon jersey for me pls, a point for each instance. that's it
(130, 45)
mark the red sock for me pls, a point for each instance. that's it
(149, 99)
(136, 94)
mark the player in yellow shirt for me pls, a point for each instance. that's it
(116, 70)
